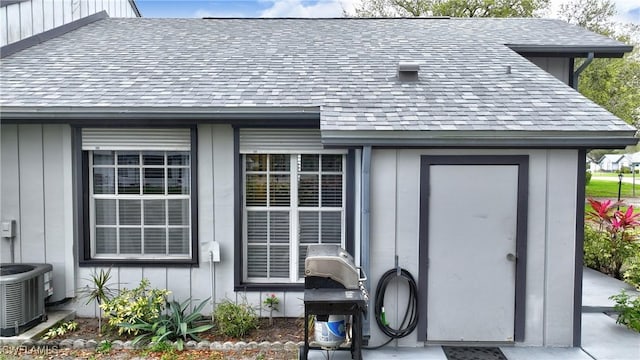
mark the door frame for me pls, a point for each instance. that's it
(522, 161)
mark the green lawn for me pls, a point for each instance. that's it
(611, 174)
(609, 189)
(606, 174)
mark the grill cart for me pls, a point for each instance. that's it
(333, 288)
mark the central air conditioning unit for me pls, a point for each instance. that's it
(23, 290)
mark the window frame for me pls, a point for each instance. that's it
(239, 253)
(84, 211)
(294, 209)
(141, 197)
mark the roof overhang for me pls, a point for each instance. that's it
(187, 114)
(310, 117)
(480, 138)
(570, 51)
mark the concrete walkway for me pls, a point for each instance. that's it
(596, 289)
(602, 338)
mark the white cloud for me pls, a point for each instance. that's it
(628, 10)
(308, 9)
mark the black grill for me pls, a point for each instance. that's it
(333, 286)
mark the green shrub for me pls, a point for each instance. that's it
(235, 320)
(177, 325)
(587, 177)
(597, 249)
(608, 253)
(60, 330)
(99, 291)
(141, 304)
(628, 309)
(632, 273)
(104, 347)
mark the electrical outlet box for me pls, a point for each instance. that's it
(214, 251)
(8, 228)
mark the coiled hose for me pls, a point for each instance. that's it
(410, 320)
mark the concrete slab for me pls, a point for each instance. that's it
(436, 353)
(541, 353)
(53, 317)
(421, 353)
(596, 289)
(603, 339)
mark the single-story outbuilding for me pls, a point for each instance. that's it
(456, 146)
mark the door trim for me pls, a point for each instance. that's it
(522, 161)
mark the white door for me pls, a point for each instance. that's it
(472, 246)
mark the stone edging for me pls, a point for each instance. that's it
(127, 345)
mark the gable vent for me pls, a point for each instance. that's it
(408, 71)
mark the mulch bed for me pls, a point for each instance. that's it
(283, 330)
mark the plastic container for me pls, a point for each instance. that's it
(331, 333)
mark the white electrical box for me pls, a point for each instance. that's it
(214, 251)
(8, 228)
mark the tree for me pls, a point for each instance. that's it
(615, 85)
(453, 8)
(611, 83)
(594, 15)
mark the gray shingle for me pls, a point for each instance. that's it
(345, 66)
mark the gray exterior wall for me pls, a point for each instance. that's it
(215, 218)
(37, 192)
(556, 66)
(27, 18)
(395, 219)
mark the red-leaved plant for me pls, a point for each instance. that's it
(601, 211)
(620, 227)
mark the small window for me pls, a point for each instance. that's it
(137, 196)
(140, 204)
(290, 201)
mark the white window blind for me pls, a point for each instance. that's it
(136, 139)
(290, 201)
(280, 141)
(140, 204)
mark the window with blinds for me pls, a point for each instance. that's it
(140, 204)
(290, 201)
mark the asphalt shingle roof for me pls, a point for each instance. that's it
(347, 67)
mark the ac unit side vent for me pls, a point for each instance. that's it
(22, 297)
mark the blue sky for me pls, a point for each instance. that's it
(629, 10)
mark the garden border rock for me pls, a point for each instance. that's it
(91, 344)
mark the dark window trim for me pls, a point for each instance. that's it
(522, 161)
(239, 258)
(350, 173)
(81, 186)
(269, 287)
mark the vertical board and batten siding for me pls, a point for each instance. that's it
(31, 17)
(37, 193)
(395, 219)
(556, 66)
(216, 186)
